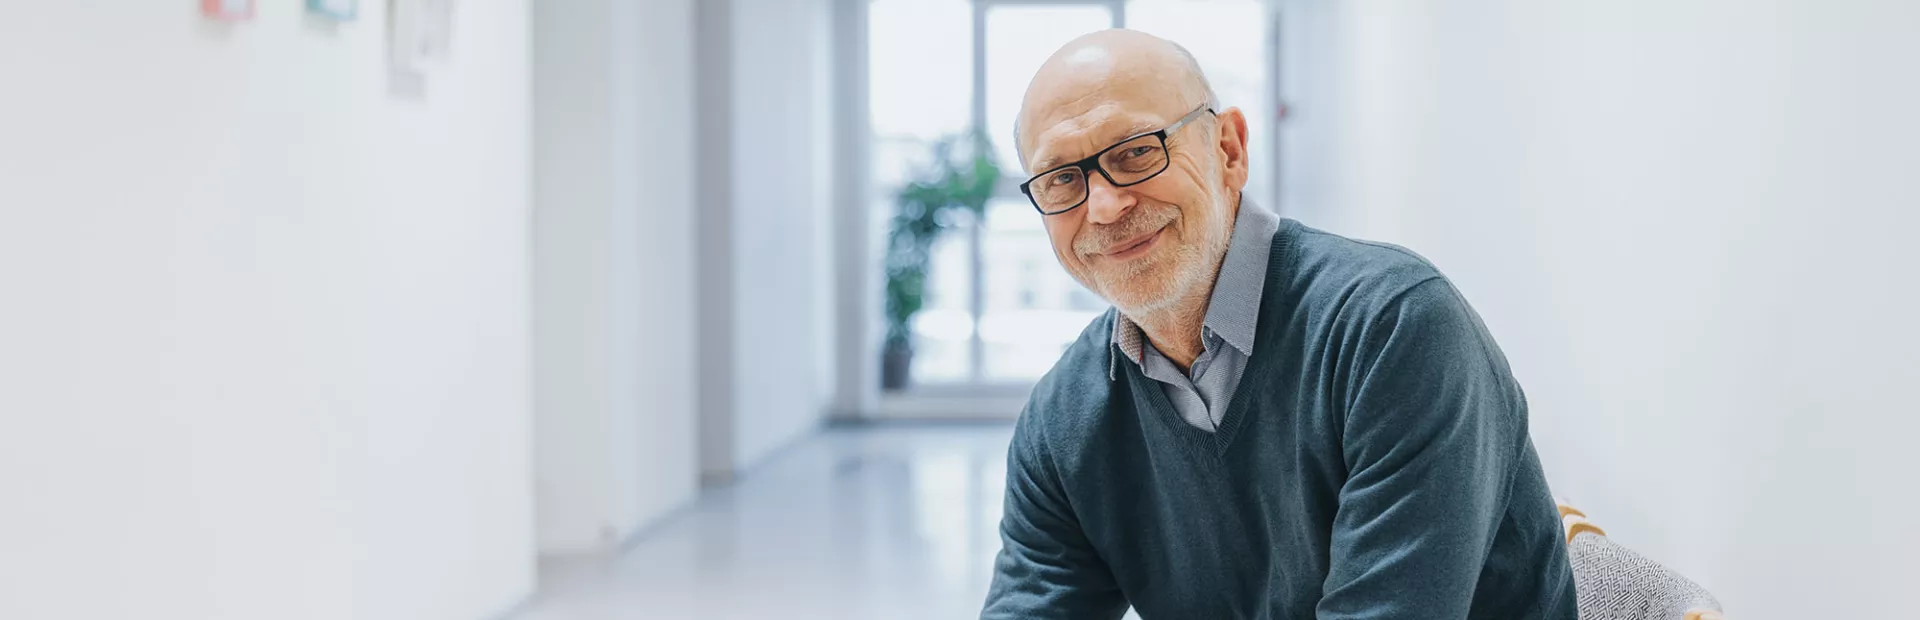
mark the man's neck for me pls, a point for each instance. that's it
(1175, 330)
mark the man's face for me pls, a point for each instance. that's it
(1145, 246)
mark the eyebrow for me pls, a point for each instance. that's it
(1133, 131)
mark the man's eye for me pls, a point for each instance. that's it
(1138, 151)
(1067, 177)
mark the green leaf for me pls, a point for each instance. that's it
(960, 177)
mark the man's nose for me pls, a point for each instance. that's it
(1106, 204)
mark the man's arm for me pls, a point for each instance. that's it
(1046, 567)
(1432, 435)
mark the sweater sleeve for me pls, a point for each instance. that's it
(1046, 567)
(1431, 438)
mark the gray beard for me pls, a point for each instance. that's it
(1191, 267)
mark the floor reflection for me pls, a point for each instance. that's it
(882, 523)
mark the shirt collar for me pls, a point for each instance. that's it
(1233, 309)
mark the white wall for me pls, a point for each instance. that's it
(856, 369)
(769, 250)
(1687, 224)
(263, 322)
(613, 104)
(779, 211)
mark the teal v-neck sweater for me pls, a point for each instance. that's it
(1373, 463)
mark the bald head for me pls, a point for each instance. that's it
(1154, 214)
(1122, 68)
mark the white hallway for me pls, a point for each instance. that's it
(283, 336)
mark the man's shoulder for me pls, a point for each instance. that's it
(1071, 399)
(1079, 380)
(1352, 277)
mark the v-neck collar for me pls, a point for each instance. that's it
(1259, 365)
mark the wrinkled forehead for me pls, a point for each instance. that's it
(1076, 137)
(1072, 118)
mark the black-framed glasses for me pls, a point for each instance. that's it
(1131, 162)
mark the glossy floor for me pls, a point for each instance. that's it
(882, 523)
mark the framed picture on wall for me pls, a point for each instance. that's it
(227, 10)
(339, 10)
(422, 33)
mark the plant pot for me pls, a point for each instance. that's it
(896, 364)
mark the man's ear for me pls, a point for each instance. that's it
(1233, 148)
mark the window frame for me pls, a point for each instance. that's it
(976, 396)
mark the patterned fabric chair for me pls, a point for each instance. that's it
(1614, 583)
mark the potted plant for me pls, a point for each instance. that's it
(960, 177)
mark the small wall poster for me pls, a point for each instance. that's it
(227, 10)
(339, 10)
(422, 33)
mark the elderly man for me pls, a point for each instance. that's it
(1274, 421)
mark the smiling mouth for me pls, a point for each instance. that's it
(1135, 248)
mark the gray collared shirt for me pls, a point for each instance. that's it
(1226, 335)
